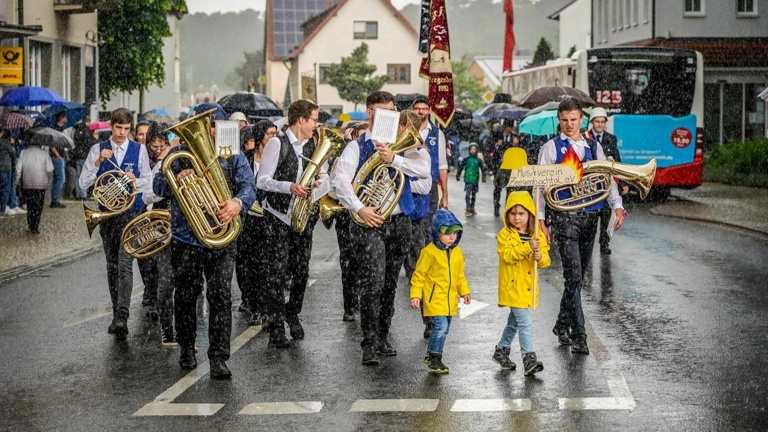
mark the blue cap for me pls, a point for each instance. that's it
(219, 114)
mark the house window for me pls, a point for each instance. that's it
(694, 8)
(322, 71)
(366, 29)
(646, 11)
(399, 73)
(746, 7)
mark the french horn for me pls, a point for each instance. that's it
(113, 190)
(148, 234)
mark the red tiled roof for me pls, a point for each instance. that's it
(717, 52)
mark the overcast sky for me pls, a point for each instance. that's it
(212, 6)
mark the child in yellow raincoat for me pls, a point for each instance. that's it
(518, 249)
(438, 281)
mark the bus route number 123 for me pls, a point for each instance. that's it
(607, 97)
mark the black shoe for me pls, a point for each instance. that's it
(168, 337)
(435, 364)
(501, 356)
(532, 365)
(294, 327)
(219, 370)
(112, 327)
(243, 308)
(605, 250)
(496, 212)
(121, 327)
(580, 345)
(153, 315)
(146, 302)
(277, 339)
(369, 357)
(187, 360)
(255, 319)
(348, 316)
(428, 330)
(385, 348)
(561, 332)
(57, 205)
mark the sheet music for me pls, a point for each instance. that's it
(321, 190)
(385, 126)
(611, 223)
(227, 138)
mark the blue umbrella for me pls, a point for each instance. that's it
(357, 115)
(75, 113)
(30, 96)
(543, 123)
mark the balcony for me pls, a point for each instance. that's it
(83, 6)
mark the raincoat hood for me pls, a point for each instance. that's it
(522, 198)
(442, 218)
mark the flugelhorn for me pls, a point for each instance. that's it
(113, 190)
(199, 195)
(595, 184)
(147, 234)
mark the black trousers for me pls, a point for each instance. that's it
(605, 217)
(350, 289)
(165, 289)
(251, 262)
(119, 263)
(190, 264)
(381, 253)
(35, 199)
(575, 237)
(287, 255)
(149, 275)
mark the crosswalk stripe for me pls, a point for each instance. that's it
(266, 408)
(474, 405)
(394, 405)
(597, 403)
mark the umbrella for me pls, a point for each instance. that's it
(158, 115)
(491, 108)
(509, 114)
(75, 113)
(354, 115)
(255, 106)
(30, 96)
(542, 95)
(46, 136)
(461, 108)
(98, 125)
(323, 115)
(543, 123)
(16, 120)
(547, 106)
(404, 101)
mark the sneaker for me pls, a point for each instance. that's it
(532, 365)
(428, 330)
(435, 364)
(9, 211)
(168, 337)
(20, 211)
(468, 212)
(580, 345)
(369, 357)
(501, 356)
(474, 213)
(562, 334)
(295, 328)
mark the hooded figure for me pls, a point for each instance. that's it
(438, 278)
(516, 258)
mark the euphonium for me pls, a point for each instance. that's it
(595, 184)
(113, 191)
(328, 144)
(147, 234)
(199, 195)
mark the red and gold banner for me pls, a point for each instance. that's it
(509, 35)
(437, 66)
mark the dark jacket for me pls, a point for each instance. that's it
(7, 155)
(609, 144)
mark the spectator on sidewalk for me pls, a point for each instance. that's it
(32, 171)
(59, 165)
(7, 162)
(84, 138)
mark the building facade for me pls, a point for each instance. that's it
(732, 37)
(575, 26)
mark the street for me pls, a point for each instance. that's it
(675, 320)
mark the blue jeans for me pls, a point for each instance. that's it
(470, 190)
(58, 178)
(519, 321)
(5, 189)
(79, 192)
(439, 332)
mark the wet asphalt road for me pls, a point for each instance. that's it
(676, 319)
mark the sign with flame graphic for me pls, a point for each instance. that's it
(522, 174)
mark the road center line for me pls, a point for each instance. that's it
(475, 405)
(92, 313)
(266, 408)
(394, 405)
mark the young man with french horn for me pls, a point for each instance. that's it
(107, 167)
(382, 240)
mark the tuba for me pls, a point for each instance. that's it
(147, 234)
(199, 195)
(328, 144)
(113, 191)
(595, 184)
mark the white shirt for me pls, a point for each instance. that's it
(548, 156)
(88, 176)
(266, 174)
(442, 158)
(423, 186)
(413, 163)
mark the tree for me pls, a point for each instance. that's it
(353, 77)
(571, 51)
(543, 53)
(131, 57)
(467, 90)
(246, 75)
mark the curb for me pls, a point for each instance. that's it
(62, 258)
(757, 233)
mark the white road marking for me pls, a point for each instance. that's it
(265, 408)
(92, 313)
(473, 405)
(311, 282)
(394, 405)
(466, 310)
(491, 235)
(162, 405)
(597, 403)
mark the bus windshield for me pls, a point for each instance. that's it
(642, 81)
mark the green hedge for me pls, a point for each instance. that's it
(740, 162)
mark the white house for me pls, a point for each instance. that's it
(575, 25)
(392, 42)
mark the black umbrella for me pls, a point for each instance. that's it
(492, 108)
(542, 95)
(546, 107)
(47, 137)
(404, 101)
(255, 106)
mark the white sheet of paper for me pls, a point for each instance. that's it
(227, 138)
(321, 190)
(385, 126)
(611, 222)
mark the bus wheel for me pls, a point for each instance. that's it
(659, 194)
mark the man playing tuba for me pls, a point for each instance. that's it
(382, 243)
(191, 260)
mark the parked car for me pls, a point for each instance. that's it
(255, 106)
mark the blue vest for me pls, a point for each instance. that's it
(366, 151)
(561, 148)
(433, 145)
(131, 157)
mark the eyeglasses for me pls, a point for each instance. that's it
(315, 119)
(270, 134)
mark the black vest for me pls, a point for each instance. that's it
(287, 170)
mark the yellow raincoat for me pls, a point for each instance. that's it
(516, 259)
